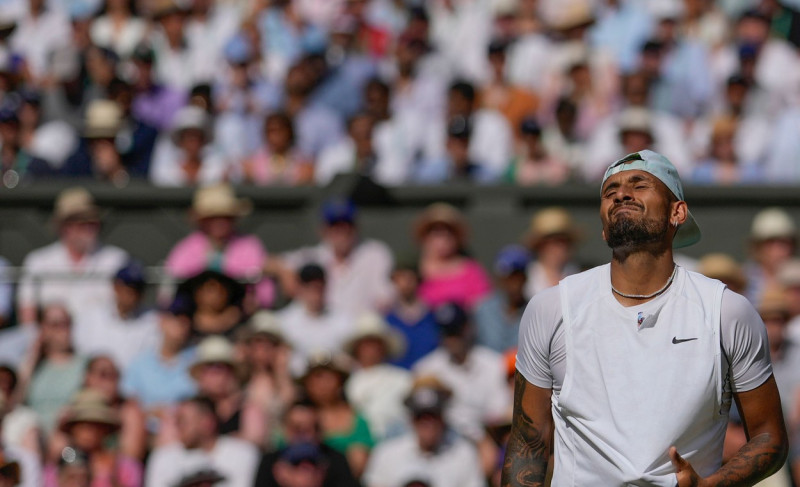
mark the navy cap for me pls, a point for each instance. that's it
(311, 273)
(511, 259)
(451, 318)
(339, 211)
(529, 126)
(132, 275)
(298, 453)
(181, 305)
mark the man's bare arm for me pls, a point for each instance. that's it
(766, 448)
(530, 443)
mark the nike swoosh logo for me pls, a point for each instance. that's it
(676, 340)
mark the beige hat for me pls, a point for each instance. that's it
(162, 8)
(550, 222)
(723, 267)
(265, 323)
(218, 200)
(441, 214)
(335, 361)
(372, 325)
(188, 118)
(789, 273)
(213, 350)
(772, 223)
(75, 204)
(90, 406)
(570, 14)
(636, 119)
(103, 120)
(773, 300)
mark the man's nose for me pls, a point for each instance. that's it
(623, 193)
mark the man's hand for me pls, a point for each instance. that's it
(687, 477)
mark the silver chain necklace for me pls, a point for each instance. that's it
(648, 296)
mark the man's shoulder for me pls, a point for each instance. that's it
(235, 448)
(400, 445)
(44, 255)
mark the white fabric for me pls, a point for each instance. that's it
(235, 459)
(378, 393)
(102, 331)
(30, 469)
(526, 59)
(16, 426)
(634, 419)
(90, 287)
(166, 167)
(207, 39)
(462, 31)
(397, 461)
(360, 283)
(309, 334)
(123, 40)
(36, 39)
(537, 278)
(480, 393)
(390, 169)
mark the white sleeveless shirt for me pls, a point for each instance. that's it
(637, 382)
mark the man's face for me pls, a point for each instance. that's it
(341, 236)
(430, 429)
(193, 425)
(80, 235)
(635, 210)
(300, 425)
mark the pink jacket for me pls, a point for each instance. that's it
(465, 288)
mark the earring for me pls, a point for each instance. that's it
(675, 224)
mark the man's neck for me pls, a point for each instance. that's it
(169, 352)
(640, 273)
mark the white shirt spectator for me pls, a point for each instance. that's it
(102, 331)
(121, 39)
(207, 39)
(233, 458)
(340, 158)
(361, 283)
(309, 334)
(35, 38)
(397, 461)
(480, 393)
(50, 275)
(462, 31)
(525, 60)
(166, 168)
(378, 393)
(15, 343)
(781, 158)
(30, 471)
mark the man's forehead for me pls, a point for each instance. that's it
(629, 175)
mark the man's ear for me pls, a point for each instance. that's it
(679, 213)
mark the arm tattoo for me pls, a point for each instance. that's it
(528, 451)
(760, 457)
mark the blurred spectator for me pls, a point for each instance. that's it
(418, 83)
(376, 388)
(19, 468)
(724, 268)
(287, 33)
(158, 378)
(513, 101)
(73, 469)
(201, 446)
(278, 161)
(357, 268)
(40, 31)
(175, 64)
(723, 166)
(301, 425)
(783, 143)
(154, 103)
(217, 245)
(188, 157)
(773, 236)
(343, 428)
(448, 274)
(621, 28)
(534, 165)
(491, 139)
(18, 423)
(300, 465)
(218, 376)
(6, 294)
(269, 381)
(204, 477)
(122, 328)
(789, 280)
(15, 341)
(561, 137)
(208, 28)
(411, 317)
(135, 139)
(77, 268)
(474, 373)
(551, 237)
(353, 154)
(497, 317)
(785, 355)
(308, 325)
(15, 160)
(88, 423)
(118, 27)
(52, 371)
(430, 450)
(217, 303)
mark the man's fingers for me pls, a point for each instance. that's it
(677, 460)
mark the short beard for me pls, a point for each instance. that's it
(627, 233)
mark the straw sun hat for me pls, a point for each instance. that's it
(550, 222)
(219, 200)
(90, 406)
(213, 350)
(371, 325)
(75, 203)
(441, 214)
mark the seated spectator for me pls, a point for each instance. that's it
(19, 468)
(188, 158)
(773, 241)
(723, 166)
(411, 317)
(217, 245)
(447, 273)
(430, 453)
(119, 28)
(497, 318)
(217, 302)
(789, 280)
(783, 350)
(301, 424)
(73, 469)
(456, 163)
(266, 358)
(88, 423)
(552, 237)
(52, 371)
(201, 446)
(153, 103)
(308, 324)
(723, 268)
(343, 428)
(534, 164)
(15, 160)
(376, 388)
(76, 269)
(122, 328)
(300, 465)
(475, 374)
(355, 154)
(218, 376)
(278, 161)
(19, 425)
(159, 378)
(358, 268)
